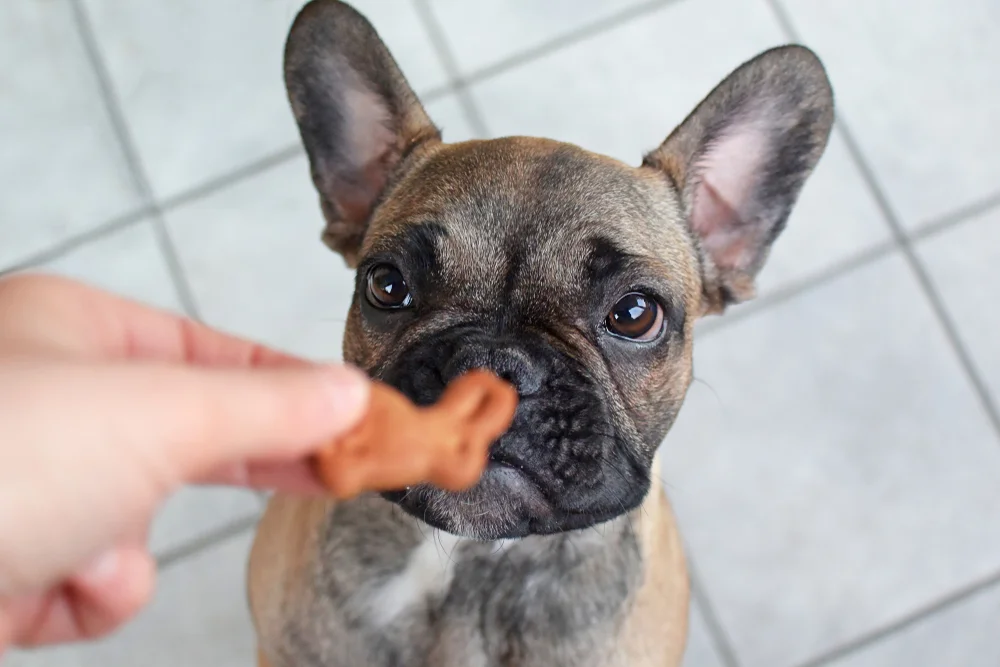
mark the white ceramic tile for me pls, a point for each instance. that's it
(401, 28)
(622, 92)
(917, 80)
(257, 267)
(129, 263)
(832, 469)
(61, 169)
(201, 82)
(483, 32)
(199, 618)
(965, 635)
(256, 264)
(964, 262)
(700, 650)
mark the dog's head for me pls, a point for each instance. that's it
(575, 276)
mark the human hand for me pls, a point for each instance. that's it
(106, 408)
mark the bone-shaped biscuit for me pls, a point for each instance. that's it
(398, 444)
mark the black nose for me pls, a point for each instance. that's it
(513, 364)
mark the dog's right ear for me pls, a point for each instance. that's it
(357, 115)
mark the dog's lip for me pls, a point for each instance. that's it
(500, 460)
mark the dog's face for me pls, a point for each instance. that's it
(576, 277)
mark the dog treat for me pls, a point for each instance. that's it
(398, 444)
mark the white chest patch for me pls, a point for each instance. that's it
(428, 572)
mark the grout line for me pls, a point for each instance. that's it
(437, 93)
(247, 171)
(929, 288)
(170, 254)
(720, 638)
(193, 194)
(787, 292)
(70, 244)
(440, 41)
(116, 114)
(943, 604)
(207, 541)
(945, 222)
(580, 34)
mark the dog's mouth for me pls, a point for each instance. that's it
(514, 499)
(505, 503)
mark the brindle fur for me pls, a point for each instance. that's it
(516, 248)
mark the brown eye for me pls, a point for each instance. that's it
(387, 289)
(636, 317)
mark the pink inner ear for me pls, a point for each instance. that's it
(371, 141)
(723, 206)
(369, 119)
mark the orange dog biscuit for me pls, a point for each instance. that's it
(398, 444)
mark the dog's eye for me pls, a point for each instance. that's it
(636, 317)
(387, 289)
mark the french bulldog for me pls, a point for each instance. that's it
(575, 277)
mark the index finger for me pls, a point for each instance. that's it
(57, 315)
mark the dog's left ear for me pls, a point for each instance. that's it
(357, 115)
(739, 162)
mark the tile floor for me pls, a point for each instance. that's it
(836, 469)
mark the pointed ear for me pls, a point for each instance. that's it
(357, 115)
(739, 162)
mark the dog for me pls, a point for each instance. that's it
(575, 277)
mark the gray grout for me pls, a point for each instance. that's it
(568, 39)
(207, 541)
(941, 605)
(963, 214)
(114, 109)
(53, 252)
(440, 42)
(720, 639)
(246, 172)
(791, 290)
(130, 218)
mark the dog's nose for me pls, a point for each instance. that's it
(510, 363)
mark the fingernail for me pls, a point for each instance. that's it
(348, 389)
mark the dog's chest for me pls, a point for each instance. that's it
(448, 602)
(423, 583)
